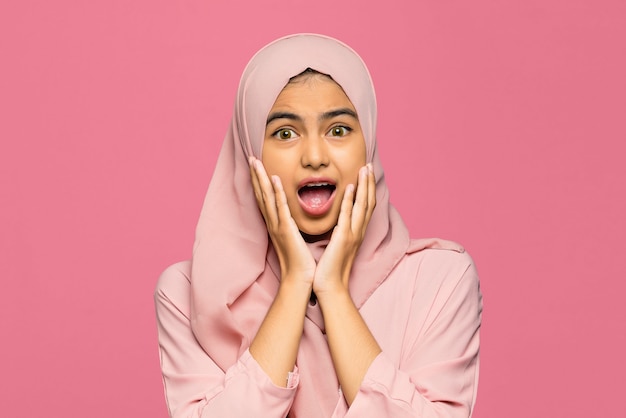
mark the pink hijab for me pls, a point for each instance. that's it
(235, 272)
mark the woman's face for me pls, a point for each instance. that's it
(314, 143)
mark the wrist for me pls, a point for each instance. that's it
(332, 294)
(294, 290)
(297, 276)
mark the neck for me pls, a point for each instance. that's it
(315, 238)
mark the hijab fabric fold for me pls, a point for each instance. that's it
(235, 273)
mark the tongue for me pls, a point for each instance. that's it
(315, 197)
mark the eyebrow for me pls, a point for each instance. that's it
(282, 115)
(339, 112)
(324, 116)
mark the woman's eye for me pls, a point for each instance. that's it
(285, 133)
(339, 131)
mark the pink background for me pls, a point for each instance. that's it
(502, 126)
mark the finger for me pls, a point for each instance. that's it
(267, 193)
(360, 205)
(282, 207)
(256, 187)
(345, 212)
(371, 193)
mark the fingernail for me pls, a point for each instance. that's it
(370, 167)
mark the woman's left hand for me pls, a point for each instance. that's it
(333, 269)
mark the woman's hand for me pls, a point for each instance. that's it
(275, 345)
(352, 345)
(333, 270)
(296, 261)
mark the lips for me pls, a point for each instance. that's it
(316, 195)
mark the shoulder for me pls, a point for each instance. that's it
(173, 286)
(446, 280)
(440, 267)
(438, 255)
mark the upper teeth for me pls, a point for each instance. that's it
(318, 184)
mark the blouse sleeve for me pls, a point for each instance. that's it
(194, 385)
(438, 375)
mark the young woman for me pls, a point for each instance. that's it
(305, 296)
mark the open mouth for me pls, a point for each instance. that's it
(316, 197)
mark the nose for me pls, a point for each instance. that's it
(314, 152)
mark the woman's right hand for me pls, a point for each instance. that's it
(275, 345)
(296, 261)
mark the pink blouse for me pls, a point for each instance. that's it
(425, 316)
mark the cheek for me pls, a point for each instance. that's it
(352, 160)
(280, 169)
(355, 165)
(358, 151)
(270, 162)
